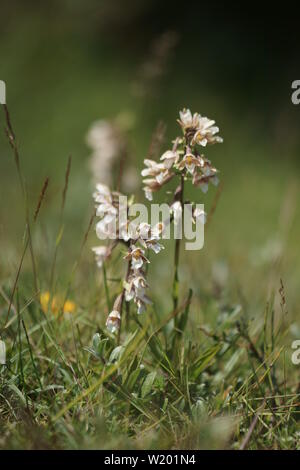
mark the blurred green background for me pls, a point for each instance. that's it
(67, 63)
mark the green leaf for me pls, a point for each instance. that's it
(148, 383)
(159, 353)
(96, 341)
(184, 317)
(18, 392)
(131, 381)
(116, 354)
(204, 361)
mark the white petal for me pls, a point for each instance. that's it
(144, 229)
(168, 163)
(215, 180)
(204, 187)
(157, 230)
(177, 211)
(148, 194)
(160, 177)
(102, 189)
(190, 167)
(105, 208)
(156, 247)
(186, 117)
(136, 263)
(200, 215)
(149, 163)
(129, 295)
(141, 308)
(101, 230)
(146, 172)
(214, 130)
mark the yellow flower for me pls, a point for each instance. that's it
(69, 306)
(44, 301)
(56, 304)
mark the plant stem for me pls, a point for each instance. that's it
(122, 300)
(106, 288)
(177, 251)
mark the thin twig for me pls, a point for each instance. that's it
(251, 428)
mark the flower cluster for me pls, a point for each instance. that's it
(112, 208)
(109, 144)
(157, 174)
(135, 286)
(106, 142)
(109, 205)
(185, 158)
(199, 129)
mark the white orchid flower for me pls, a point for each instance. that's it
(205, 133)
(190, 162)
(113, 321)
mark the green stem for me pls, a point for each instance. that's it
(106, 288)
(122, 300)
(177, 253)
